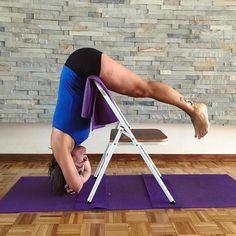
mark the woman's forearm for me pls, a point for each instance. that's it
(87, 171)
(85, 176)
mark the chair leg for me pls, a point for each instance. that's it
(157, 177)
(102, 171)
(150, 160)
(110, 150)
(98, 169)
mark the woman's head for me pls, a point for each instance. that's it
(79, 157)
(56, 176)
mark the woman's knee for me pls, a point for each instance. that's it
(140, 89)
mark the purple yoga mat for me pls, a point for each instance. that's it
(31, 194)
(194, 191)
(124, 192)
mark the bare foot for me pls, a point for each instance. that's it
(200, 121)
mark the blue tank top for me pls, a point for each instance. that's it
(67, 115)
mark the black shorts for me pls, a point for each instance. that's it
(85, 62)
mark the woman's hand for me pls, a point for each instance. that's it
(69, 190)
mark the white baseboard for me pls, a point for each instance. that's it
(35, 138)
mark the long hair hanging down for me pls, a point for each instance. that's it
(56, 176)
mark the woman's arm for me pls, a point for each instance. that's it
(84, 173)
(72, 177)
(62, 146)
(87, 171)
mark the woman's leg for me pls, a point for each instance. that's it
(119, 79)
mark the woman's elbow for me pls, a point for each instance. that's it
(77, 188)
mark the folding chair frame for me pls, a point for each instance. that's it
(123, 128)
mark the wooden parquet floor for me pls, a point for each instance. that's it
(121, 223)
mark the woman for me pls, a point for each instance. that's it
(70, 129)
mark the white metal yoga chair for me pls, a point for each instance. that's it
(124, 132)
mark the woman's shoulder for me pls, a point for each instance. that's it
(61, 140)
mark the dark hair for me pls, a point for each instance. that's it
(56, 177)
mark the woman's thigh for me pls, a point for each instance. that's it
(120, 79)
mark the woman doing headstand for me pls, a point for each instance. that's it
(70, 167)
